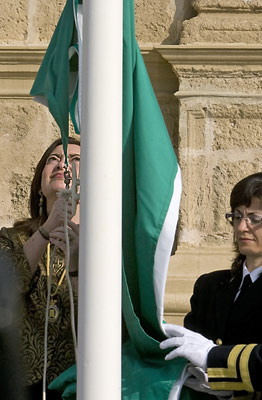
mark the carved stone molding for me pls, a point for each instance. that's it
(214, 71)
(19, 65)
(211, 54)
(223, 21)
(18, 68)
(226, 6)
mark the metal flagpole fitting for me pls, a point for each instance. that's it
(67, 176)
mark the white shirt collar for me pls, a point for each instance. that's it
(253, 275)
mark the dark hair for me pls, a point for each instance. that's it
(30, 225)
(242, 195)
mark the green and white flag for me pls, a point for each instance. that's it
(151, 196)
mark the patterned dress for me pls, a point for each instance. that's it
(32, 293)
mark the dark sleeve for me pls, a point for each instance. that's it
(191, 320)
(202, 318)
(235, 367)
(11, 249)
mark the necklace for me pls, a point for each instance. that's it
(54, 311)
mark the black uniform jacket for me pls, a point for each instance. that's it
(236, 364)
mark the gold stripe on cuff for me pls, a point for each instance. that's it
(230, 371)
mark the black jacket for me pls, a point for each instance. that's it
(216, 316)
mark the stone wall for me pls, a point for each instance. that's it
(218, 67)
(204, 59)
(26, 27)
(27, 127)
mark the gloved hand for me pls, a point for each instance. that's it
(199, 381)
(190, 345)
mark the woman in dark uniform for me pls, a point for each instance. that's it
(226, 307)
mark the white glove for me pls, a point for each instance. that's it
(190, 345)
(199, 381)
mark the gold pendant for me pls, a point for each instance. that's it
(53, 313)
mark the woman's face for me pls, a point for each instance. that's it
(249, 235)
(53, 173)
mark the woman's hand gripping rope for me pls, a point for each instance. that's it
(58, 238)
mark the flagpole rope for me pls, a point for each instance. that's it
(67, 259)
(67, 193)
(49, 284)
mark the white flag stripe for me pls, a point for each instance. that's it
(164, 246)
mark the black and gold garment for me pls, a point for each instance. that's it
(236, 326)
(32, 308)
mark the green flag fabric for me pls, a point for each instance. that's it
(56, 83)
(151, 196)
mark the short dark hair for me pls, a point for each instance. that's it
(30, 225)
(241, 195)
(245, 190)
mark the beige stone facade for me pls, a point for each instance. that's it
(205, 62)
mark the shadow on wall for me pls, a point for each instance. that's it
(184, 11)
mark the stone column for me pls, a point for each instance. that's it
(219, 69)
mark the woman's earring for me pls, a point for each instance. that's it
(41, 204)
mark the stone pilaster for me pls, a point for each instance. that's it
(220, 139)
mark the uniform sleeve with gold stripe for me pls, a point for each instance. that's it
(236, 367)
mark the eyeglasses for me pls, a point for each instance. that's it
(251, 219)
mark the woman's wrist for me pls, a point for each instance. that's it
(47, 226)
(44, 233)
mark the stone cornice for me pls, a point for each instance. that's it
(13, 55)
(211, 55)
(176, 54)
(208, 71)
(19, 64)
(18, 68)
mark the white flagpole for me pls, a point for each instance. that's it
(99, 314)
